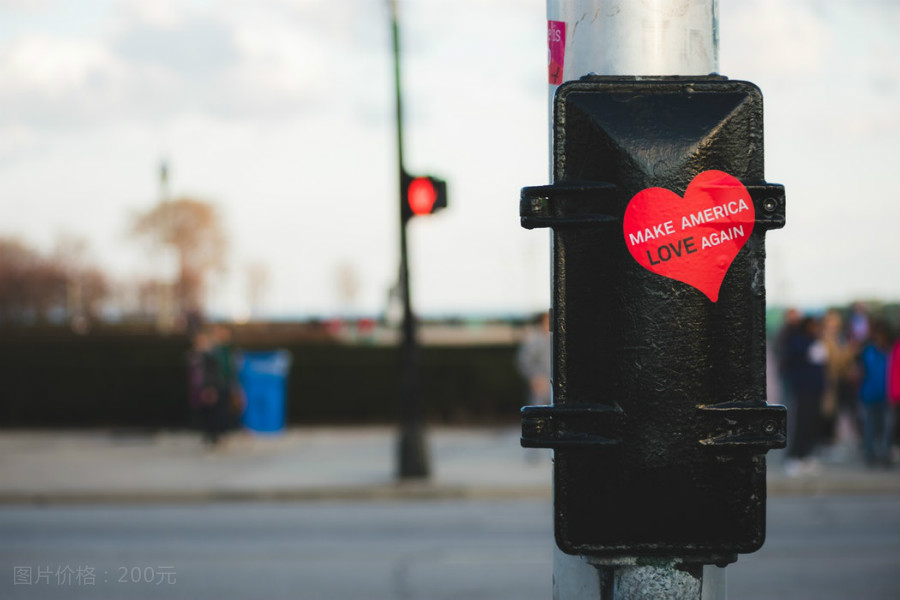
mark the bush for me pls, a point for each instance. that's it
(129, 379)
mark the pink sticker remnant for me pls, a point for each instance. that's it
(692, 239)
(556, 50)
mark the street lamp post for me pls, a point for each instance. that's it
(412, 456)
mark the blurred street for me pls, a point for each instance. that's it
(352, 463)
(819, 548)
(301, 464)
(316, 513)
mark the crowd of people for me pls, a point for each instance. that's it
(840, 379)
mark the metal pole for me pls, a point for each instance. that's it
(651, 37)
(412, 459)
(171, 288)
(622, 37)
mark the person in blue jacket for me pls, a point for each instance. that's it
(873, 397)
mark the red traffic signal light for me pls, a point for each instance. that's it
(423, 195)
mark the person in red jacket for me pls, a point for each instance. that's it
(893, 385)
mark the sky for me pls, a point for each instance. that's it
(281, 113)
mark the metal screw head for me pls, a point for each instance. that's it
(770, 204)
(769, 427)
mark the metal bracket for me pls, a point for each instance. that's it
(592, 203)
(743, 426)
(727, 426)
(554, 426)
(568, 204)
(769, 203)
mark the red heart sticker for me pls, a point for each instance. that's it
(692, 239)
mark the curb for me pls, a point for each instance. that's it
(390, 492)
(377, 493)
(813, 486)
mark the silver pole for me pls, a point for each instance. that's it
(631, 37)
(638, 37)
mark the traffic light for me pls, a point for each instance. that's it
(423, 195)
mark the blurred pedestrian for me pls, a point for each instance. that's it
(842, 377)
(534, 360)
(805, 357)
(859, 323)
(789, 330)
(535, 364)
(204, 386)
(229, 386)
(873, 397)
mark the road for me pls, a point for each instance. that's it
(819, 548)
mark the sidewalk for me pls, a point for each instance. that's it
(314, 464)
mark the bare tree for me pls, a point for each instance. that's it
(35, 288)
(21, 277)
(86, 286)
(193, 229)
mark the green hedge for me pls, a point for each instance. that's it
(59, 379)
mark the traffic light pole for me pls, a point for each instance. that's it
(609, 37)
(412, 456)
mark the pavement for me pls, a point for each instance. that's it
(323, 463)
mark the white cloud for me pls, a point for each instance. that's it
(153, 13)
(57, 83)
(195, 48)
(48, 80)
(27, 6)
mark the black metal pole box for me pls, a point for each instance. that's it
(659, 421)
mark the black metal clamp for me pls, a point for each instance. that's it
(552, 426)
(593, 203)
(568, 204)
(742, 426)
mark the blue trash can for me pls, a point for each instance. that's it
(263, 376)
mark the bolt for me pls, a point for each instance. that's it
(770, 204)
(769, 427)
